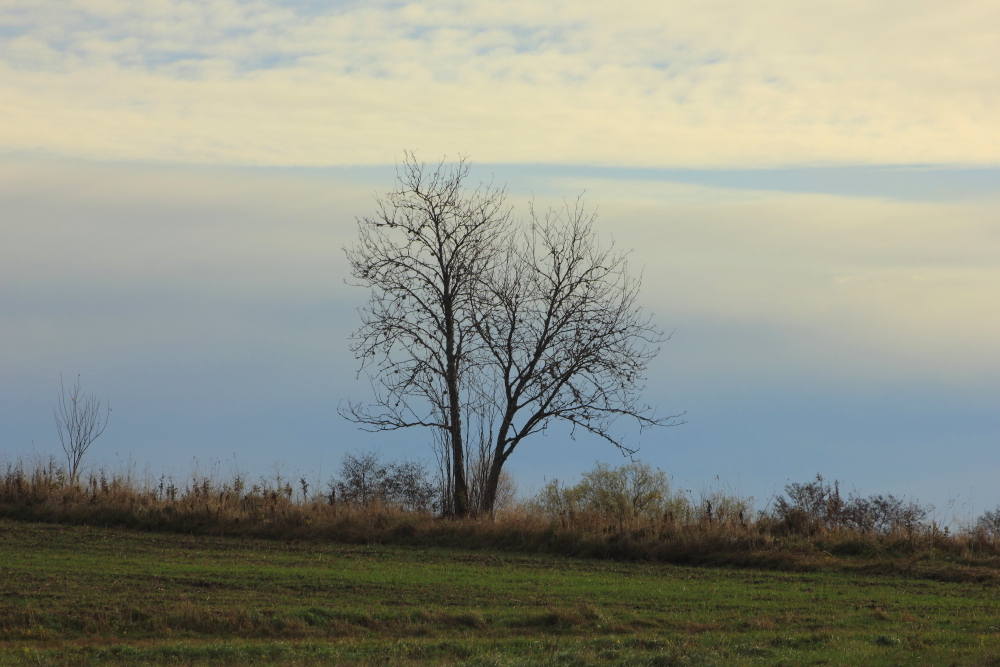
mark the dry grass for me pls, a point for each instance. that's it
(40, 492)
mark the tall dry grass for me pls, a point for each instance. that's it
(39, 490)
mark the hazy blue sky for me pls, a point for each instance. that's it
(812, 189)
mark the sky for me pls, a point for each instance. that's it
(812, 191)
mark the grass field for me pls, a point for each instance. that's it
(79, 595)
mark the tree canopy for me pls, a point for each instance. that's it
(487, 329)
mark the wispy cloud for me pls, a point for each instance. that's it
(668, 84)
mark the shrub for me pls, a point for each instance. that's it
(810, 506)
(818, 504)
(883, 514)
(626, 494)
(989, 523)
(364, 480)
(725, 508)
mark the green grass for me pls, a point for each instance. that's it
(82, 596)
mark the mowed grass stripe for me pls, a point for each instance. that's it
(93, 595)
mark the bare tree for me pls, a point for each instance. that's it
(486, 332)
(421, 256)
(565, 337)
(78, 421)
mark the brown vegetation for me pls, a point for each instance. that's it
(723, 531)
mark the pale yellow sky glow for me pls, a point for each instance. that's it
(681, 84)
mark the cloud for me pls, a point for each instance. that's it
(799, 284)
(758, 284)
(662, 84)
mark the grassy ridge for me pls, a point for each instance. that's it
(86, 595)
(204, 506)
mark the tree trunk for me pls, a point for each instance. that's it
(461, 491)
(492, 482)
(460, 499)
